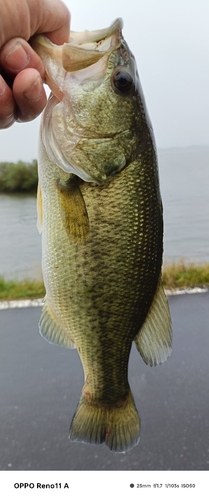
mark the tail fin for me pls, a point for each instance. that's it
(118, 427)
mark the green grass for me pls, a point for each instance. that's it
(177, 275)
(26, 289)
(181, 274)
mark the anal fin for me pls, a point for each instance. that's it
(154, 340)
(51, 330)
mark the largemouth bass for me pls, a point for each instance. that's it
(100, 213)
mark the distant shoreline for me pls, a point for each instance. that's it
(22, 177)
(18, 178)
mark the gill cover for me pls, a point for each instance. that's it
(85, 144)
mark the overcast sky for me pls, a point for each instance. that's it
(170, 41)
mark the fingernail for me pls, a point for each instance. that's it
(34, 92)
(2, 86)
(7, 121)
(17, 59)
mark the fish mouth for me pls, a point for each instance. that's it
(88, 47)
(93, 37)
(84, 49)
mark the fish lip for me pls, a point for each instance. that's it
(83, 48)
(79, 38)
(91, 48)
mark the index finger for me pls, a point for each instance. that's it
(55, 22)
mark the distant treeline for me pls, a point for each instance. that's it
(18, 177)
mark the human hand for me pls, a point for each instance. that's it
(22, 96)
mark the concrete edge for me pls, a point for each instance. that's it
(189, 290)
(17, 304)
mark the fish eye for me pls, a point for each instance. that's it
(122, 81)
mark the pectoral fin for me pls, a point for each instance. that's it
(39, 209)
(154, 340)
(73, 210)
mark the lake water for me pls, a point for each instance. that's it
(184, 180)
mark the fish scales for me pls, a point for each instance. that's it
(102, 257)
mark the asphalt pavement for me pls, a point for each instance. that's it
(40, 387)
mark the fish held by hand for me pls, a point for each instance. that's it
(100, 213)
